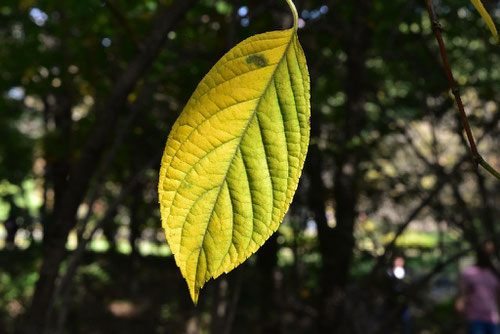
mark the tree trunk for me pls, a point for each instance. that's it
(336, 244)
(82, 173)
(267, 265)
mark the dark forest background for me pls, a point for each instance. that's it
(89, 91)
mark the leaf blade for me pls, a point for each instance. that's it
(486, 17)
(218, 203)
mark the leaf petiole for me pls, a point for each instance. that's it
(295, 14)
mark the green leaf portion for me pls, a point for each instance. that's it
(234, 156)
(486, 17)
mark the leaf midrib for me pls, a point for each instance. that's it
(271, 79)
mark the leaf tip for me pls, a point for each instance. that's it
(195, 301)
(195, 293)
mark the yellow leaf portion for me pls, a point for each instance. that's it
(234, 156)
(486, 17)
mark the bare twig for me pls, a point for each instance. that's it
(436, 29)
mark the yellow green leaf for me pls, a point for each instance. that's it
(486, 17)
(234, 156)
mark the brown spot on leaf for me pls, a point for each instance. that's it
(257, 59)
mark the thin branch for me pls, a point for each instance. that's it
(436, 29)
(134, 109)
(417, 152)
(443, 180)
(402, 227)
(122, 20)
(488, 167)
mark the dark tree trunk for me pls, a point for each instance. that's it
(337, 244)
(82, 172)
(61, 165)
(219, 305)
(267, 265)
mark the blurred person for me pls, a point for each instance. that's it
(396, 300)
(399, 272)
(398, 268)
(478, 294)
